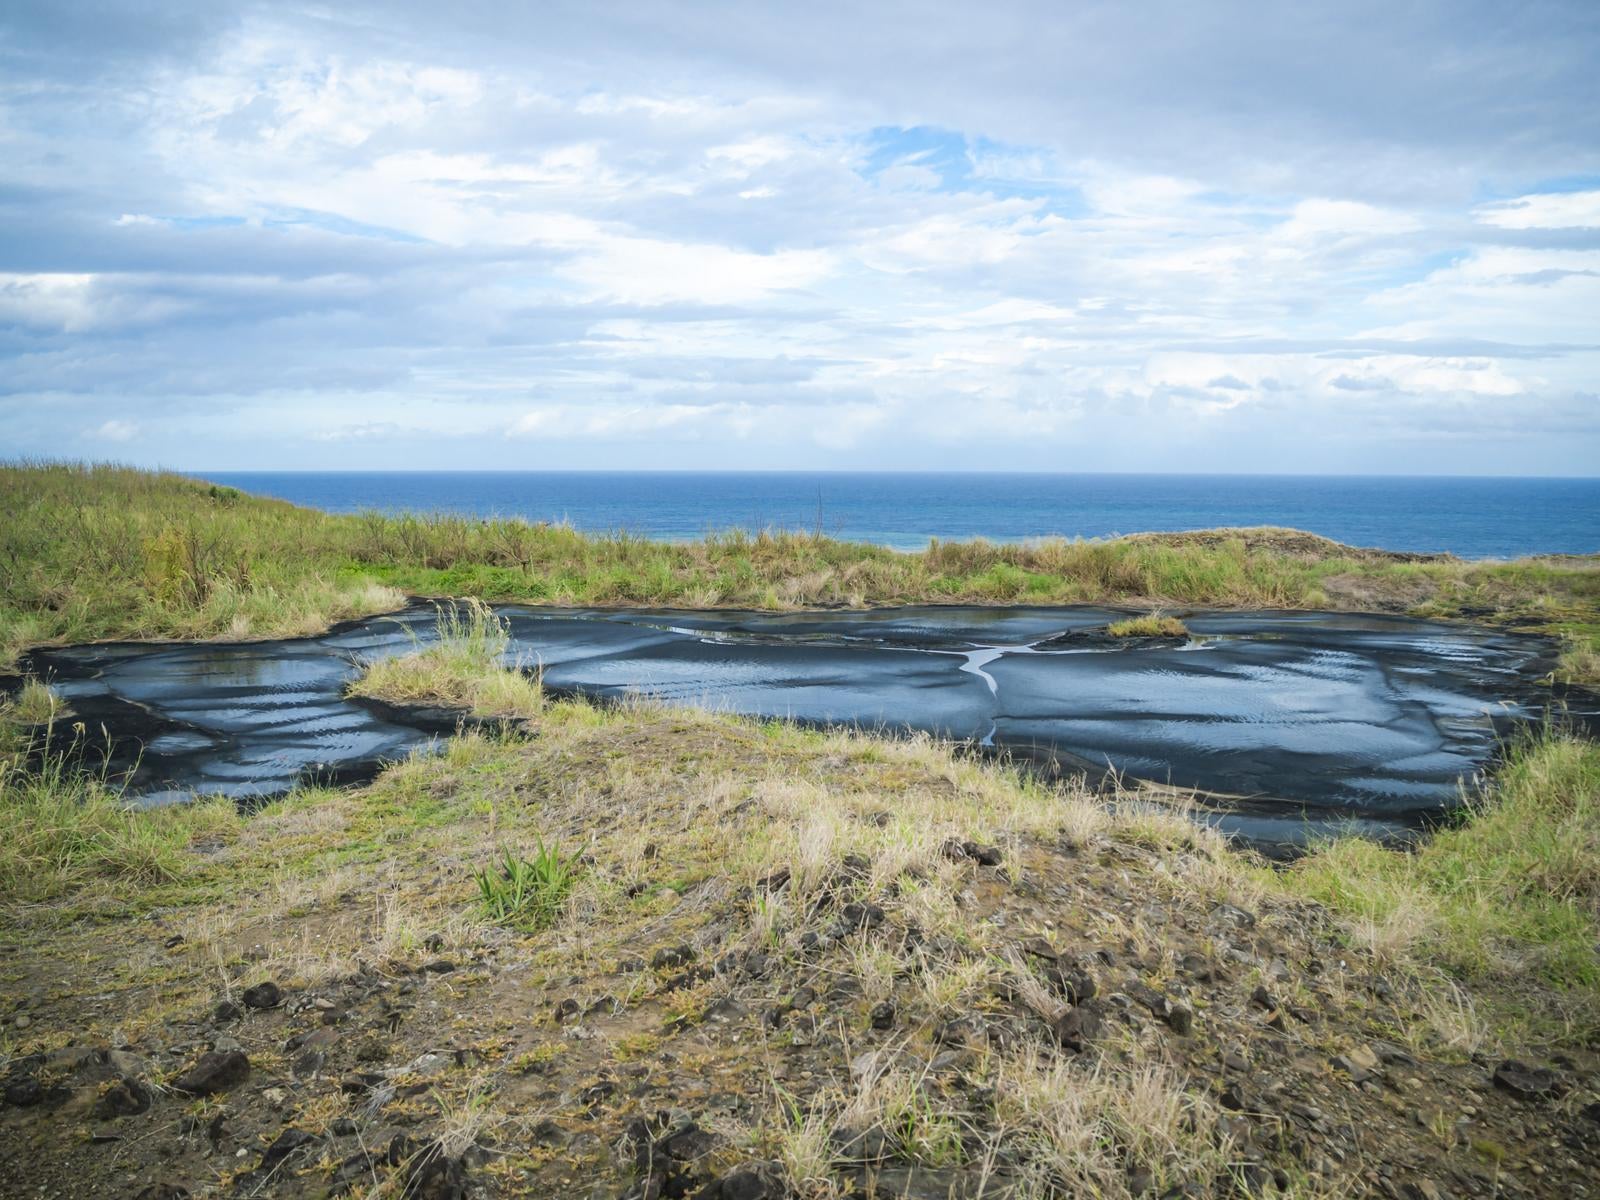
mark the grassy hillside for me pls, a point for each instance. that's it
(634, 951)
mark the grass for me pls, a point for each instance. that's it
(1510, 892)
(463, 668)
(457, 855)
(66, 828)
(1152, 625)
(527, 893)
(95, 551)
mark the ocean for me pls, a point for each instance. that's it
(1470, 517)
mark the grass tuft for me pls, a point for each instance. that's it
(527, 893)
(1513, 888)
(1151, 625)
(67, 828)
(464, 668)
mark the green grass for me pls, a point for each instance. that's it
(1512, 891)
(464, 668)
(95, 551)
(527, 893)
(66, 827)
(35, 703)
(1152, 625)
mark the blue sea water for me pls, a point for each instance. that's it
(1471, 517)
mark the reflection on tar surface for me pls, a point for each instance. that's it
(1305, 720)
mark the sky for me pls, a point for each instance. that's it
(1341, 237)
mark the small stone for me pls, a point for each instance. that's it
(24, 1093)
(1527, 1083)
(860, 916)
(748, 1181)
(438, 966)
(262, 995)
(1180, 1019)
(985, 856)
(226, 1011)
(1038, 947)
(1232, 917)
(1071, 984)
(1074, 1028)
(215, 1072)
(285, 1144)
(122, 1098)
(882, 1015)
(21, 1021)
(669, 957)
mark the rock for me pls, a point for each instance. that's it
(687, 1143)
(548, 1133)
(359, 1083)
(1361, 1064)
(861, 1147)
(284, 1145)
(775, 881)
(343, 1127)
(263, 995)
(162, 1191)
(122, 1098)
(1528, 1083)
(860, 916)
(1392, 1055)
(1231, 917)
(960, 851)
(438, 966)
(1075, 1028)
(216, 1071)
(748, 1181)
(959, 1032)
(1180, 1019)
(226, 1012)
(24, 1092)
(21, 1021)
(434, 1176)
(1071, 984)
(669, 957)
(665, 1151)
(568, 1010)
(882, 1015)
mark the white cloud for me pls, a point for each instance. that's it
(363, 236)
(1547, 210)
(115, 431)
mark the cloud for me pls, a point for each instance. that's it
(403, 236)
(114, 431)
(1558, 210)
